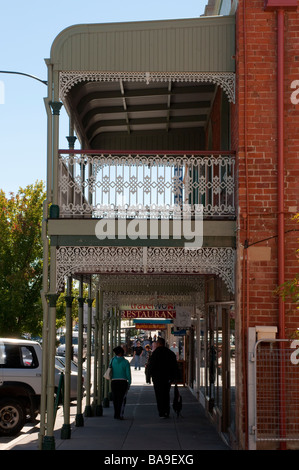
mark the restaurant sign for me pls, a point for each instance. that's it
(148, 311)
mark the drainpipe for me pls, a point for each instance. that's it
(246, 216)
(280, 166)
(280, 215)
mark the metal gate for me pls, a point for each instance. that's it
(273, 391)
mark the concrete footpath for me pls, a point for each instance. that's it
(142, 429)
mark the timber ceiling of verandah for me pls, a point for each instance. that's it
(127, 107)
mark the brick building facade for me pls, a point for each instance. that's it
(267, 146)
(264, 135)
(257, 147)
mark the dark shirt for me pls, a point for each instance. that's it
(138, 350)
(162, 365)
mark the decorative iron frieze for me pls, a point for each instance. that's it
(226, 80)
(140, 260)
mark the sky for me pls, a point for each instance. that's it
(27, 31)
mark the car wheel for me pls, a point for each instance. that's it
(12, 417)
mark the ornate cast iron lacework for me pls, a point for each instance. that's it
(95, 184)
(134, 260)
(226, 80)
(117, 299)
(120, 289)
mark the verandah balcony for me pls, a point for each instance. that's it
(103, 184)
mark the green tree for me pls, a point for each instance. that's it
(21, 260)
(290, 289)
(61, 304)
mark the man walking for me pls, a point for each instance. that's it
(138, 351)
(163, 369)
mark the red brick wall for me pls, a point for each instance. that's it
(256, 149)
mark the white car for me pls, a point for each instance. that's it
(74, 367)
(20, 383)
(60, 351)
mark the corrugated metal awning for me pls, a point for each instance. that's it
(143, 77)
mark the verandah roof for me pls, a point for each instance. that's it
(187, 45)
(124, 83)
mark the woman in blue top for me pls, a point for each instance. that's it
(120, 382)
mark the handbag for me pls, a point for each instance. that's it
(108, 373)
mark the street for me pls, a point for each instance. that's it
(30, 431)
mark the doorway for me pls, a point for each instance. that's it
(220, 344)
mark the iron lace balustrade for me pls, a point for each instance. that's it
(99, 184)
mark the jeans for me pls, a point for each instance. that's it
(137, 362)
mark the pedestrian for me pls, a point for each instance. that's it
(175, 349)
(120, 381)
(163, 369)
(137, 353)
(148, 353)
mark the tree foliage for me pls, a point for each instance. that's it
(21, 260)
(290, 289)
(61, 304)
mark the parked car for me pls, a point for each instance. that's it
(20, 383)
(60, 351)
(74, 367)
(60, 369)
